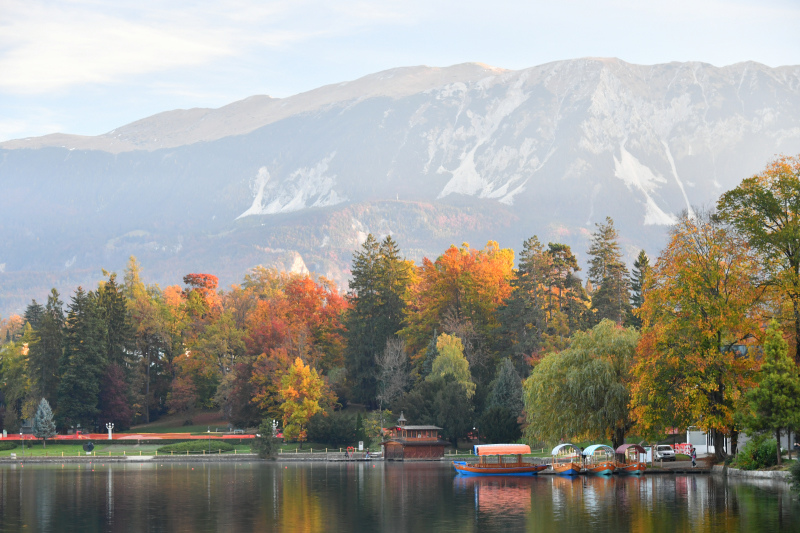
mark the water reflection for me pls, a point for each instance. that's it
(317, 497)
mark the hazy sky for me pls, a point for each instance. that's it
(88, 66)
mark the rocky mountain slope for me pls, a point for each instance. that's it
(432, 155)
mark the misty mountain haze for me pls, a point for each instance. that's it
(434, 156)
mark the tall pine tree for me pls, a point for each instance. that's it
(638, 276)
(609, 275)
(363, 341)
(112, 309)
(46, 353)
(380, 280)
(523, 317)
(82, 363)
(567, 300)
(34, 313)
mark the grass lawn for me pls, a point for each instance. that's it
(56, 449)
(201, 422)
(294, 447)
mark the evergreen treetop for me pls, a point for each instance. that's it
(775, 401)
(609, 274)
(43, 425)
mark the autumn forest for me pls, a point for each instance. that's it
(516, 344)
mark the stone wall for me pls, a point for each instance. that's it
(777, 475)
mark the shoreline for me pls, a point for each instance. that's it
(251, 457)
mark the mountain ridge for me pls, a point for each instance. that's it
(443, 156)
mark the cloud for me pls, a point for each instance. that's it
(47, 46)
(13, 128)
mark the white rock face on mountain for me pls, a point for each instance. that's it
(431, 155)
(305, 187)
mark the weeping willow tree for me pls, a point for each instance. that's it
(583, 392)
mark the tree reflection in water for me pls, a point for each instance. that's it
(391, 497)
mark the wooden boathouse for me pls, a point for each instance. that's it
(420, 443)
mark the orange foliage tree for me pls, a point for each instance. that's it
(700, 301)
(201, 293)
(467, 282)
(301, 321)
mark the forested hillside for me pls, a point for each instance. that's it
(465, 340)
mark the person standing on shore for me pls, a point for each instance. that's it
(694, 457)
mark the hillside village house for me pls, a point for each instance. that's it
(420, 443)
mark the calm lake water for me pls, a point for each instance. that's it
(298, 497)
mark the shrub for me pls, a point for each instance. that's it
(794, 470)
(196, 446)
(265, 444)
(760, 452)
(8, 445)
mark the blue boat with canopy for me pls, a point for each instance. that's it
(564, 463)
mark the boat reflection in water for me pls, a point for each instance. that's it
(498, 495)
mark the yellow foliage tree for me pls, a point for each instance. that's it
(451, 362)
(701, 301)
(301, 390)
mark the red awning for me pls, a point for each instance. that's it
(502, 449)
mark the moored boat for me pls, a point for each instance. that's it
(632, 469)
(632, 464)
(498, 460)
(562, 460)
(598, 460)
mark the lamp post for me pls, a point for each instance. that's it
(109, 427)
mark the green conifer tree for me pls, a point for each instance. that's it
(506, 389)
(638, 275)
(523, 316)
(47, 352)
(112, 308)
(83, 362)
(775, 401)
(380, 280)
(608, 273)
(431, 353)
(43, 425)
(34, 313)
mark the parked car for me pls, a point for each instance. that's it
(663, 452)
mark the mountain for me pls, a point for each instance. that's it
(434, 156)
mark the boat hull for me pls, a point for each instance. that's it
(567, 469)
(632, 469)
(466, 469)
(601, 469)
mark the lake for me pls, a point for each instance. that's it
(310, 497)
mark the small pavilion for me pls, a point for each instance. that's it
(420, 443)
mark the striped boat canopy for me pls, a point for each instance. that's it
(594, 447)
(501, 449)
